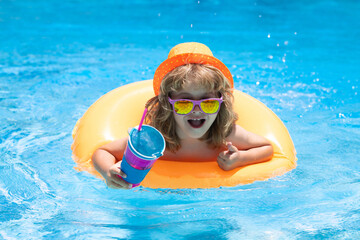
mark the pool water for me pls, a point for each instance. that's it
(301, 58)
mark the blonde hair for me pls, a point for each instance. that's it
(160, 114)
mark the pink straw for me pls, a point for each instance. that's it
(142, 119)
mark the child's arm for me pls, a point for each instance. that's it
(244, 148)
(107, 160)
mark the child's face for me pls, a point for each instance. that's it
(197, 123)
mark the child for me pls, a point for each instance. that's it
(192, 108)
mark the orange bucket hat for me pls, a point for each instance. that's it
(185, 53)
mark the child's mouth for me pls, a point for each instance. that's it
(196, 123)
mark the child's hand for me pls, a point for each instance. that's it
(230, 158)
(113, 179)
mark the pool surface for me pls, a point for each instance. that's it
(301, 58)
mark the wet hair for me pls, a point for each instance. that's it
(161, 116)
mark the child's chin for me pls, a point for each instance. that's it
(197, 133)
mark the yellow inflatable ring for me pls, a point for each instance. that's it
(110, 116)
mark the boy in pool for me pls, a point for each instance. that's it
(193, 110)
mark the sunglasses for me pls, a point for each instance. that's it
(185, 106)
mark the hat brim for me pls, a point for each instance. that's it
(182, 59)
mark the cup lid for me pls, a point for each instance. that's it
(148, 143)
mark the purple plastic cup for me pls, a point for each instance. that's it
(143, 148)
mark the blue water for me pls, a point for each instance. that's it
(301, 58)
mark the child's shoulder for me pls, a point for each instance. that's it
(239, 136)
(237, 132)
(116, 145)
(243, 139)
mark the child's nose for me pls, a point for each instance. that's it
(197, 108)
